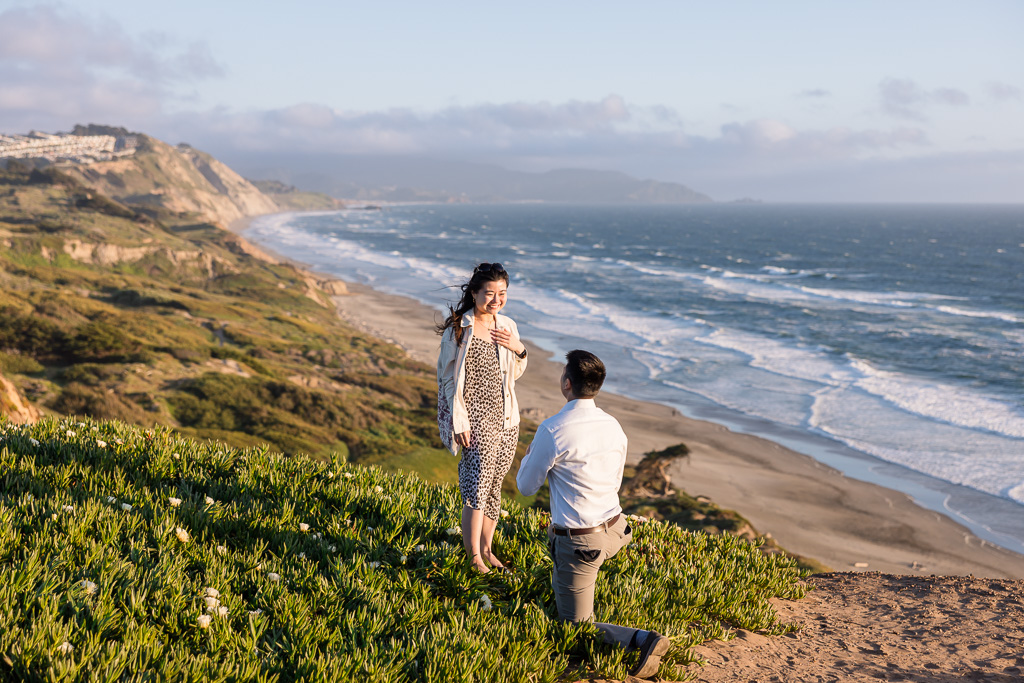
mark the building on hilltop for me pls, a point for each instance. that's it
(55, 147)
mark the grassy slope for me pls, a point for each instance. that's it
(376, 587)
(193, 333)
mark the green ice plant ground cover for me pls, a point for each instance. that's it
(132, 554)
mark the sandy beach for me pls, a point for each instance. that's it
(809, 508)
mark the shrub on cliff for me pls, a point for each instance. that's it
(131, 554)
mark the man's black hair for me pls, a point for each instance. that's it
(585, 372)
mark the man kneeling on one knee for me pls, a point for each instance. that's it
(581, 451)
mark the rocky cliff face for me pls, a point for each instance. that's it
(179, 179)
(14, 406)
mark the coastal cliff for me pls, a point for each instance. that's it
(179, 179)
(142, 308)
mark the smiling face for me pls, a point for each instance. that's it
(490, 298)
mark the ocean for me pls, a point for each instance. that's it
(884, 341)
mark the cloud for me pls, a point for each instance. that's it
(905, 99)
(605, 133)
(1002, 92)
(58, 66)
(766, 158)
(815, 92)
(456, 129)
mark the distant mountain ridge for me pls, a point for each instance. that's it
(421, 179)
(185, 180)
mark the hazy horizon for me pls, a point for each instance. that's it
(918, 102)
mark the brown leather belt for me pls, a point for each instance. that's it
(589, 530)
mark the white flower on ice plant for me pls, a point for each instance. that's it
(255, 612)
(119, 442)
(222, 612)
(302, 556)
(175, 502)
(181, 534)
(211, 603)
(211, 592)
(274, 577)
(420, 548)
(33, 441)
(318, 536)
(403, 559)
(65, 648)
(485, 603)
(203, 621)
(303, 526)
(101, 444)
(454, 531)
(378, 489)
(374, 565)
(70, 434)
(111, 500)
(69, 508)
(349, 475)
(504, 513)
(332, 548)
(330, 474)
(209, 501)
(221, 550)
(89, 586)
(126, 507)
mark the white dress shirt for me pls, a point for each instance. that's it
(581, 451)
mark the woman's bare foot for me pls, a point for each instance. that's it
(478, 564)
(493, 560)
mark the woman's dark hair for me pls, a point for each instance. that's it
(482, 274)
(585, 372)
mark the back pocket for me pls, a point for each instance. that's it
(588, 555)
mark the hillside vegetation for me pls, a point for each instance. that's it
(135, 554)
(109, 312)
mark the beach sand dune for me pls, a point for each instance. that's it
(883, 627)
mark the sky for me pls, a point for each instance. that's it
(873, 101)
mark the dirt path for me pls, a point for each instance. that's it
(872, 627)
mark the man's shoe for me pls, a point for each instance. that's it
(654, 646)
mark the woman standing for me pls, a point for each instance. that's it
(480, 360)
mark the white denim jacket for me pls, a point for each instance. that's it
(451, 373)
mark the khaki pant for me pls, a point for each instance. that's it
(577, 560)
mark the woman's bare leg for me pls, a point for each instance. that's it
(472, 532)
(486, 537)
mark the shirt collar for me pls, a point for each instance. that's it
(579, 403)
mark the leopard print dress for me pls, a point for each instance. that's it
(491, 447)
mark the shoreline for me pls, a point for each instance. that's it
(809, 508)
